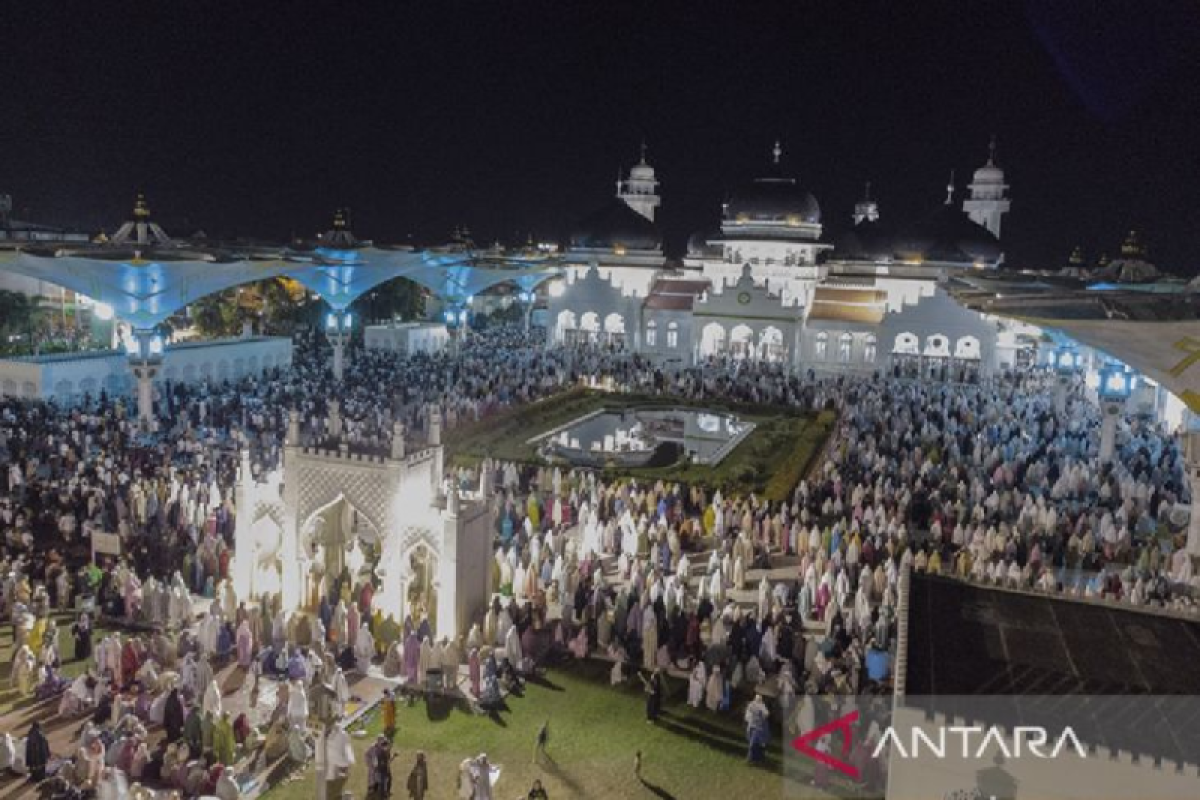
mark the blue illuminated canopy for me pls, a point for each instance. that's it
(147, 286)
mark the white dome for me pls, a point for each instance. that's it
(989, 173)
(642, 171)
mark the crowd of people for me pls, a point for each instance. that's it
(749, 603)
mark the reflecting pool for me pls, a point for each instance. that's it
(636, 437)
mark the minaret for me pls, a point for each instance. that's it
(640, 192)
(987, 203)
(866, 209)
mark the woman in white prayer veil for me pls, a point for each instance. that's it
(341, 691)
(716, 588)
(364, 648)
(512, 647)
(764, 597)
(696, 685)
(212, 699)
(426, 661)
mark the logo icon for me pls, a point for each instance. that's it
(804, 743)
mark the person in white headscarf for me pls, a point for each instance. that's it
(341, 692)
(212, 699)
(364, 648)
(697, 684)
(512, 648)
(426, 662)
(297, 707)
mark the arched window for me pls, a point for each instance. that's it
(822, 346)
(673, 335)
(869, 349)
(844, 345)
(651, 333)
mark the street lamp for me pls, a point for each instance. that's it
(1065, 359)
(1116, 385)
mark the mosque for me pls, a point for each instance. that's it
(766, 285)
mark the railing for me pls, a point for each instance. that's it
(1081, 576)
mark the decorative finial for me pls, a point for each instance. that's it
(619, 181)
(992, 151)
(950, 189)
(643, 161)
(777, 151)
(867, 191)
(339, 220)
(140, 209)
(1132, 246)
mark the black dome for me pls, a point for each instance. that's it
(698, 242)
(773, 199)
(948, 234)
(868, 240)
(616, 225)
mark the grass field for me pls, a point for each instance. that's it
(771, 460)
(595, 729)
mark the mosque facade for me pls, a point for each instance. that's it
(767, 284)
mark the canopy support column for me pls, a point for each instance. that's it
(1061, 384)
(337, 331)
(145, 353)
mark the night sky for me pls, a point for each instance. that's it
(257, 119)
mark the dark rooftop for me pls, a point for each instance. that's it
(966, 639)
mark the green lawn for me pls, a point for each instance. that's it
(595, 729)
(771, 460)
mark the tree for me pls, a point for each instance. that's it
(275, 305)
(399, 297)
(23, 315)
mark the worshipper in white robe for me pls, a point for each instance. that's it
(426, 661)
(113, 786)
(339, 754)
(696, 685)
(617, 674)
(512, 648)
(764, 597)
(714, 692)
(297, 705)
(649, 639)
(716, 588)
(484, 776)
(341, 692)
(364, 648)
(208, 633)
(212, 699)
(451, 660)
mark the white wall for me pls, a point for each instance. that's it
(68, 376)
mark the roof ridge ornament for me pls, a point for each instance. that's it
(777, 151)
(950, 189)
(140, 229)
